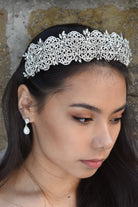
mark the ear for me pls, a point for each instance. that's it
(25, 102)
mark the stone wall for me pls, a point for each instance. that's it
(20, 21)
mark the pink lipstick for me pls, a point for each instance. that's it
(92, 163)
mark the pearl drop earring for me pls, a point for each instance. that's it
(26, 130)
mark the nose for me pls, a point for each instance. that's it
(102, 139)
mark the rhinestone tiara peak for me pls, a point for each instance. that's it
(75, 46)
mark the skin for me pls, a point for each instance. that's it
(62, 142)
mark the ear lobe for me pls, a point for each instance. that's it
(25, 101)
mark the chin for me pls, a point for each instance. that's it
(88, 174)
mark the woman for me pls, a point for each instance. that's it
(65, 112)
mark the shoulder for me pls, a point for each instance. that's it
(5, 203)
(6, 196)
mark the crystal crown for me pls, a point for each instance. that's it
(75, 46)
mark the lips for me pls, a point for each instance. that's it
(92, 163)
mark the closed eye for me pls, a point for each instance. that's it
(82, 120)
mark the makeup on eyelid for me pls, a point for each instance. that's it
(81, 113)
(93, 109)
(88, 119)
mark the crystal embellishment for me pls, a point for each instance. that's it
(26, 130)
(75, 46)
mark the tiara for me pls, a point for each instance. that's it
(75, 46)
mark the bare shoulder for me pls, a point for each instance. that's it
(5, 203)
(10, 197)
(4, 199)
(6, 196)
(18, 191)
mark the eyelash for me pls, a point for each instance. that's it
(114, 121)
(79, 118)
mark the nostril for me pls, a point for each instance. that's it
(102, 142)
(107, 147)
(103, 138)
(107, 143)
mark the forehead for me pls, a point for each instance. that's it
(96, 86)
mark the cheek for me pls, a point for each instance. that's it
(59, 137)
(66, 139)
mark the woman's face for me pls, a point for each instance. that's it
(78, 127)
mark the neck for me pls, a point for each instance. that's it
(55, 184)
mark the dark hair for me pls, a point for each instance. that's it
(115, 183)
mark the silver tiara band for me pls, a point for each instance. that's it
(75, 46)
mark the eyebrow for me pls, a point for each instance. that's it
(93, 108)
